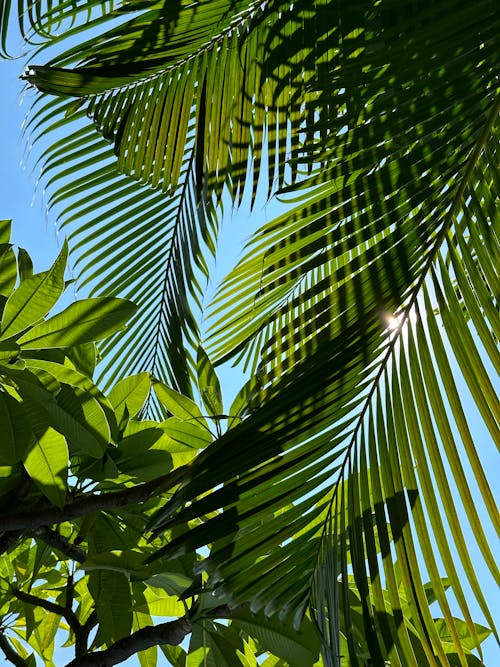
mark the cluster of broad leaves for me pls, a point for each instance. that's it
(91, 580)
(50, 409)
(64, 442)
(346, 485)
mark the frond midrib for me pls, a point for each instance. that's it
(237, 24)
(168, 263)
(433, 253)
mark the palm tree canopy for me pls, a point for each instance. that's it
(379, 124)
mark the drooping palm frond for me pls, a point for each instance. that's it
(180, 91)
(399, 140)
(411, 175)
(129, 239)
(40, 22)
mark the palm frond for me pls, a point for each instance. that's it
(398, 104)
(327, 422)
(180, 93)
(143, 77)
(130, 239)
(342, 399)
(41, 23)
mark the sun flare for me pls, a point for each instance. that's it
(394, 323)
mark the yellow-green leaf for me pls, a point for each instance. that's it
(47, 464)
(34, 297)
(83, 321)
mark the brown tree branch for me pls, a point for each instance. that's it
(172, 632)
(8, 540)
(70, 591)
(11, 655)
(40, 602)
(135, 495)
(82, 635)
(81, 631)
(66, 612)
(60, 543)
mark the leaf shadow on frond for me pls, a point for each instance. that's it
(342, 398)
(400, 117)
(183, 112)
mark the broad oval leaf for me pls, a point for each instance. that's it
(82, 322)
(178, 405)
(157, 603)
(186, 433)
(47, 464)
(85, 390)
(34, 297)
(208, 384)
(16, 433)
(85, 410)
(45, 411)
(130, 393)
(83, 357)
(113, 602)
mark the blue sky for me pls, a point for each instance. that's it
(31, 228)
(34, 230)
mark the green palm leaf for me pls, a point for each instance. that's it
(342, 399)
(131, 240)
(182, 96)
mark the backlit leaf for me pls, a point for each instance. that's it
(47, 464)
(81, 322)
(34, 297)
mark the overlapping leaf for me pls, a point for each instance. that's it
(183, 95)
(409, 165)
(409, 146)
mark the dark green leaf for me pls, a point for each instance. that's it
(299, 649)
(113, 604)
(16, 434)
(208, 384)
(8, 269)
